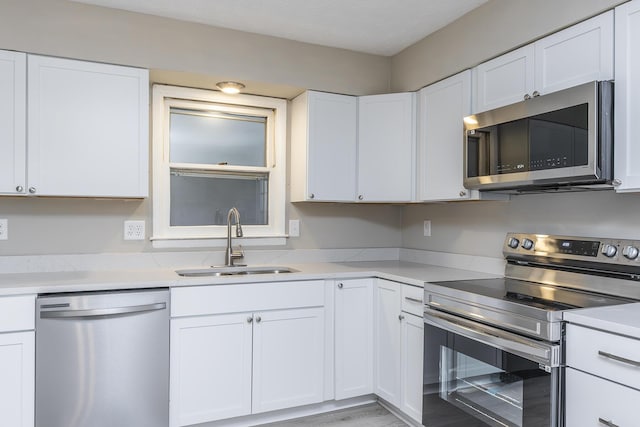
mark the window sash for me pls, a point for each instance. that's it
(167, 97)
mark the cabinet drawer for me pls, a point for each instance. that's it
(18, 313)
(412, 297)
(599, 353)
(594, 402)
(218, 299)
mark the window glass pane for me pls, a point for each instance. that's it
(217, 138)
(201, 198)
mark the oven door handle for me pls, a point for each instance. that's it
(543, 353)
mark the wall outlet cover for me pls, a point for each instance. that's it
(134, 230)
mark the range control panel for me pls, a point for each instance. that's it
(614, 251)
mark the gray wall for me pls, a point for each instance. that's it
(191, 55)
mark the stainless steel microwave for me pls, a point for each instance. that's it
(563, 140)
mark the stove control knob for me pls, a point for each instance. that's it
(527, 244)
(630, 252)
(513, 243)
(609, 251)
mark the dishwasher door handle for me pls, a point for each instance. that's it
(111, 311)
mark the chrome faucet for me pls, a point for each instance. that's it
(232, 254)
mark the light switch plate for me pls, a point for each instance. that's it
(294, 228)
(427, 227)
(4, 229)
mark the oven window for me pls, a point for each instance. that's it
(471, 384)
(481, 390)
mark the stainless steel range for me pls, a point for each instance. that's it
(493, 349)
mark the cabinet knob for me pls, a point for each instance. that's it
(32, 190)
(249, 319)
(527, 96)
(360, 197)
(617, 182)
(19, 188)
(401, 317)
(311, 196)
(462, 193)
(535, 94)
(258, 319)
(340, 285)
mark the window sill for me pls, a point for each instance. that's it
(218, 242)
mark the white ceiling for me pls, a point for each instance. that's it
(382, 27)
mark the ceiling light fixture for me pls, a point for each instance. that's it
(230, 87)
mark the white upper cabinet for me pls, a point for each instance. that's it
(87, 129)
(13, 122)
(386, 147)
(347, 148)
(504, 80)
(323, 147)
(578, 54)
(627, 97)
(442, 106)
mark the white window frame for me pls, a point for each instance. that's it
(164, 235)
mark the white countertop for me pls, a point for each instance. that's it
(77, 281)
(619, 319)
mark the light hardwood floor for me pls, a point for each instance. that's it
(372, 415)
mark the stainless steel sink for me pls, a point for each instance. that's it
(233, 271)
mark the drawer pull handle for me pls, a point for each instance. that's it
(416, 300)
(619, 359)
(607, 423)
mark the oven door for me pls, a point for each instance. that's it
(477, 375)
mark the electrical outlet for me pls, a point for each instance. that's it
(134, 230)
(4, 229)
(294, 227)
(427, 227)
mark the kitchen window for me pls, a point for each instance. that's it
(212, 152)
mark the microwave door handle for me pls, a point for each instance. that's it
(546, 354)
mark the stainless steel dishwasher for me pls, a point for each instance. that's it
(102, 359)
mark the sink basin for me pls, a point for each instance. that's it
(233, 271)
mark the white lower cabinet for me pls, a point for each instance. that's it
(595, 402)
(288, 357)
(17, 378)
(210, 368)
(387, 330)
(412, 339)
(603, 378)
(353, 338)
(17, 361)
(261, 357)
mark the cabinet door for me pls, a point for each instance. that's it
(17, 379)
(595, 402)
(353, 338)
(13, 122)
(288, 358)
(411, 360)
(87, 129)
(442, 107)
(210, 368)
(576, 55)
(331, 154)
(387, 329)
(504, 80)
(627, 96)
(386, 147)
